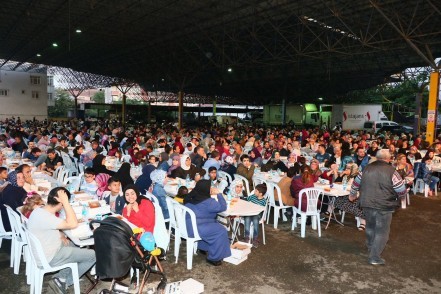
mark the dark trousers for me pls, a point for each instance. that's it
(377, 231)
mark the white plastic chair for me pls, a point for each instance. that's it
(172, 219)
(244, 180)
(181, 232)
(224, 175)
(272, 203)
(41, 266)
(73, 182)
(62, 175)
(126, 158)
(57, 171)
(17, 240)
(4, 235)
(312, 197)
(162, 238)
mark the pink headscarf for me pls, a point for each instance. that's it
(101, 181)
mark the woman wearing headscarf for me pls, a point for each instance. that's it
(144, 182)
(99, 167)
(237, 189)
(123, 174)
(159, 178)
(101, 182)
(176, 162)
(163, 161)
(12, 195)
(256, 157)
(187, 168)
(215, 242)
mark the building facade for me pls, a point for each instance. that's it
(23, 94)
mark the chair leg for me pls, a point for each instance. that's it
(319, 229)
(408, 199)
(177, 246)
(303, 226)
(283, 215)
(343, 216)
(263, 233)
(276, 217)
(76, 279)
(190, 252)
(426, 190)
(313, 222)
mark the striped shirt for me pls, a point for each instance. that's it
(253, 199)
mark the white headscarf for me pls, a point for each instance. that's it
(183, 164)
(157, 176)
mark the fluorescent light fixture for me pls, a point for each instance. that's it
(230, 69)
(54, 44)
(38, 55)
(320, 98)
(78, 31)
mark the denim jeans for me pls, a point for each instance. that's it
(85, 258)
(252, 220)
(377, 231)
(433, 182)
(159, 192)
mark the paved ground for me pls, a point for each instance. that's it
(335, 263)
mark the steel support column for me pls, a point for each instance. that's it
(432, 106)
(180, 109)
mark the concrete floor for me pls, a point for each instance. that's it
(335, 263)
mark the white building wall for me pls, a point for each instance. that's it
(19, 100)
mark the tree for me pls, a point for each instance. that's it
(98, 97)
(63, 103)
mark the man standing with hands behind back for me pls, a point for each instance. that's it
(46, 226)
(381, 189)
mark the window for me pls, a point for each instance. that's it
(4, 92)
(49, 96)
(50, 80)
(35, 80)
(35, 94)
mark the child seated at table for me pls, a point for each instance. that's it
(114, 197)
(182, 191)
(31, 202)
(3, 175)
(259, 199)
(89, 184)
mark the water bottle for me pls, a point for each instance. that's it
(229, 195)
(85, 212)
(345, 183)
(187, 181)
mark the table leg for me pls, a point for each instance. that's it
(332, 213)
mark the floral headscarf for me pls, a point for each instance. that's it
(229, 160)
(12, 178)
(233, 188)
(157, 176)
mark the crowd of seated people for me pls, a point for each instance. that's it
(304, 155)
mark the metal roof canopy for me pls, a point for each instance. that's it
(275, 48)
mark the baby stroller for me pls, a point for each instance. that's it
(117, 250)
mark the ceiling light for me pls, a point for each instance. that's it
(162, 79)
(78, 31)
(230, 69)
(54, 44)
(320, 98)
(38, 55)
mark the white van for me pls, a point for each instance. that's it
(375, 126)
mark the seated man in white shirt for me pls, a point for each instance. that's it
(47, 227)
